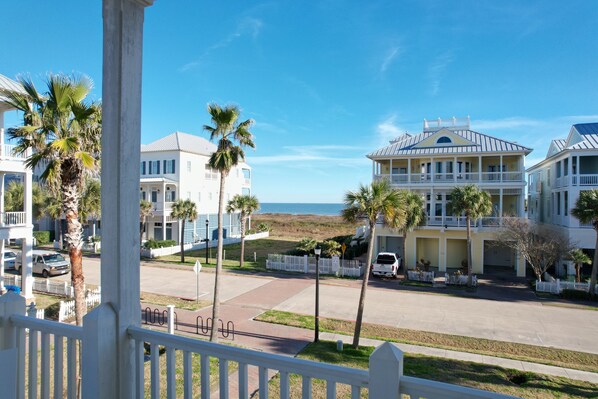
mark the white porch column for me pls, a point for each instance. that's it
(121, 141)
(500, 205)
(27, 246)
(2, 267)
(479, 168)
(408, 173)
(2, 188)
(500, 168)
(164, 213)
(455, 169)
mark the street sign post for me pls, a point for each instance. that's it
(197, 269)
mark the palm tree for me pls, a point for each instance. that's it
(183, 210)
(90, 204)
(63, 131)
(145, 211)
(415, 215)
(227, 131)
(370, 202)
(245, 205)
(52, 207)
(475, 204)
(586, 210)
(579, 258)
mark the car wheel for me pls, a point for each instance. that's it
(45, 274)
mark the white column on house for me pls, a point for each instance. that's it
(2, 188)
(455, 169)
(500, 200)
(408, 172)
(27, 241)
(570, 171)
(500, 168)
(479, 168)
(109, 369)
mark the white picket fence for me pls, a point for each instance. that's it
(67, 308)
(426, 277)
(557, 286)
(307, 264)
(157, 252)
(44, 285)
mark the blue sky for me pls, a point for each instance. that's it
(329, 81)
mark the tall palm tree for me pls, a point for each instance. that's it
(370, 202)
(228, 131)
(183, 210)
(63, 131)
(475, 204)
(586, 210)
(52, 208)
(415, 215)
(579, 258)
(145, 211)
(245, 205)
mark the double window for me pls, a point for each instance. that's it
(153, 167)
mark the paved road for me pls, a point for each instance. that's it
(525, 322)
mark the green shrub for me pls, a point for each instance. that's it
(42, 237)
(263, 227)
(574, 294)
(52, 311)
(153, 244)
(331, 248)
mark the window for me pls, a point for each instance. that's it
(154, 196)
(444, 140)
(558, 203)
(211, 174)
(169, 166)
(154, 168)
(142, 171)
(188, 166)
(558, 169)
(247, 173)
(188, 195)
(210, 196)
(438, 167)
(566, 167)
(170, 196)
(245, 191)
(566, 201)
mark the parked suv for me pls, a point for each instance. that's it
(386, 264)
(9, 259)
(47, 263)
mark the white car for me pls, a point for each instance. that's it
(386, 264)
(47, 263)
(9, 259)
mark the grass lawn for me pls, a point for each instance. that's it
(509, 350)
(474, 375)
(165, 300)
(261, 247)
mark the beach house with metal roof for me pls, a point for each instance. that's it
(176, 167)
(570, 166)
(446, 154)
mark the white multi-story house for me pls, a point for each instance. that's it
(176, 167)
(571, 166)
(445, 155)
(15, 225)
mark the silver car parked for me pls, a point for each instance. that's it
(47, 263)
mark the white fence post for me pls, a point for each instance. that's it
(306, 264)
(10, 361)
(558, 286)
(170, 319)
(386, 370)
(98, 348)
(65, 289)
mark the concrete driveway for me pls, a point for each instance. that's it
(528, 322)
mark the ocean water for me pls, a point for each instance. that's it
(301, 209)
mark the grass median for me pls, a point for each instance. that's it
(473, 375)
(510, 350)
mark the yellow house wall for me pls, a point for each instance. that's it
(509, 205)
(431, 141)
(456, 251)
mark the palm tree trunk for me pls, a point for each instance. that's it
(243, 221)
(216, 305)
(74, 242)
(469, 264)
(364, 285)
(592, 290)
(183, 240)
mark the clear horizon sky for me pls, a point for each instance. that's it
(329, 81)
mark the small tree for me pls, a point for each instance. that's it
(90, 204)
(579, 258)
(145, 211)
(539, 245)
(586, 210)
(415, 215)
(245, 205)
(307, 245)
(475, 204)
(370, 202)
(183, 210)
(331, 248)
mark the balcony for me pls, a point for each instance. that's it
(585, 180)
(10, 219)
(45, 360)
(452, 178)
(7, 152)
(461, 222)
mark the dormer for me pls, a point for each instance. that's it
(443, 138)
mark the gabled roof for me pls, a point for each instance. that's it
(8, 84)
(179, 141)
(461, 142)
(556, 146)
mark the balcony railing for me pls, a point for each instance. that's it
(461, 221)
(469, 177)
(162, 206)
(8, 219)
(7, 152)
(40, 364)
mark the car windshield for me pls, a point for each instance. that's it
(385, 259)
(10, 255)
(53, 258)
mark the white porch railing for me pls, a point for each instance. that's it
(465, 178)
(306, 264)
(12, 219)
(48, 375)
(557, 286)
(588, 180)
(8, 152)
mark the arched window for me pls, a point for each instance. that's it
(444, 140)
